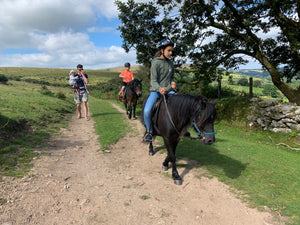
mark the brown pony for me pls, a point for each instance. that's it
(132, 92)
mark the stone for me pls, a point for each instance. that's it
(281, 130)
(277, 124)
(288, 120)
(270, 102)
(277, 116)
(287, 108)
(252, 118)
(293, 126)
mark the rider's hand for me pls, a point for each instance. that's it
(163, 90)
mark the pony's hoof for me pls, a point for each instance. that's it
(134, 118)
(178, 182)
(165, 168)
(151, 153)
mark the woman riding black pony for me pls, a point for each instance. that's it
(173, 115)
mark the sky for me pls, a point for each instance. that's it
(62, 34)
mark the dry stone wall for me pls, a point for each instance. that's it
(275, 116)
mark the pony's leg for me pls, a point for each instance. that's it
(171, 147)
(165, 165)
(129, 111)
(125, 104)
(134, 107)
(151, 152)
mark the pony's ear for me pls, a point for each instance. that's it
(214, 102)
(141, 80)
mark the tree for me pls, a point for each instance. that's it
(232, 28)
(270, 90)
(256, 83)
(243, 82)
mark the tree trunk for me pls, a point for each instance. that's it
(293, 95)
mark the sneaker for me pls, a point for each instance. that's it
(148, 137)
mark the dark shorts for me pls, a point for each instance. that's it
(124, 84)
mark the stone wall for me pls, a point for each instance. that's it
(275, 116)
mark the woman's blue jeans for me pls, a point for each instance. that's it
(149, 107)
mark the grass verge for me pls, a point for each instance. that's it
(111, 125)
(251, 161)
(28, 115)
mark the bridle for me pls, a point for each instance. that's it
(198, 131)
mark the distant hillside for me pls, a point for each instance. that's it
(252, 73)
(133, 68)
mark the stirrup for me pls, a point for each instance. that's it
(148, 137)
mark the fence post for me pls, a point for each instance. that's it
(251, 87)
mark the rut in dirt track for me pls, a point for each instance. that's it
(74, 183)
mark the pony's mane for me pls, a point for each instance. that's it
(132, 83)
(184, 107)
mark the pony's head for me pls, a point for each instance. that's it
(204, 120)
(137, 87)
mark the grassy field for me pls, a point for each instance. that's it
(267, 174)
(250, 161)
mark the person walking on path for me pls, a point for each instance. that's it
(81, 96)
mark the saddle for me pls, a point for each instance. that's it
(155, 111)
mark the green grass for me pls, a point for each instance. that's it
(251, 162)
(57, 77)
(111, 125)
(28, 114)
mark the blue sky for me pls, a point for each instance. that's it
(63, 33)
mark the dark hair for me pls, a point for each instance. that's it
(158, 54)
(79, 66)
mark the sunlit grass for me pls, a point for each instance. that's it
(251, 162)
(111, 125)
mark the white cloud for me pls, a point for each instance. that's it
(59, 31)
(95, 58)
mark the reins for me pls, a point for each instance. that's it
(170, 116)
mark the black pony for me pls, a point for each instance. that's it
(133, 91)
(173, 115)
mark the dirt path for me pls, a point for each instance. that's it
(73, 183)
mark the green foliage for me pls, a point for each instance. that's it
(270, 90)
(236, 23)
(46, 91)
(3, 79)
(230, 80)
(61, 95)
(243, 82)
(256, 83)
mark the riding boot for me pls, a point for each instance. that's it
(148, 137)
